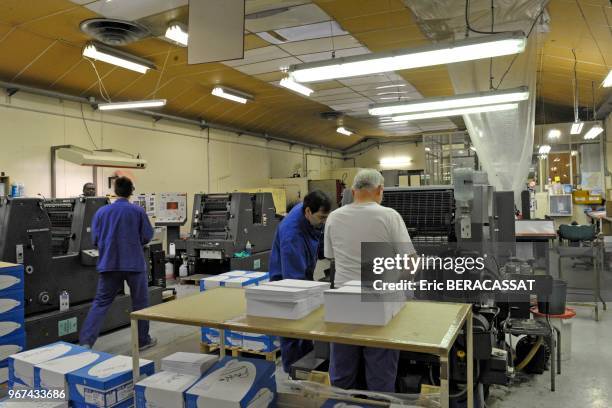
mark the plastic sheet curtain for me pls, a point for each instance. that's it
(503, 140)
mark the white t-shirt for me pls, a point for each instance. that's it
(348, 226)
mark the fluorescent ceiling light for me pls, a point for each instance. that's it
(544, 149)
(608, 81)
(393, 98)
(446, 102)
(231, 94)
(593, 132)
(116, 57)
(395, 161)
(554, 134)
(176, 33)
(392, 93)
(151, 103)
(574, 153)
(576, 128)
(390, 86)
(455, 112)
(344, 131)
(436, 54)
(294, 86)
(472, 148)
(428, 149)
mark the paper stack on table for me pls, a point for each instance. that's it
(188, 363)
(285, 299)
(348, 305)
(607, 243)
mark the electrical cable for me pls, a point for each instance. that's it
(87, 128)
(491, 59)
(103, 92)
(467, 22)
(531, 354)
(575, 87)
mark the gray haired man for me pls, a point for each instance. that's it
(364, 220)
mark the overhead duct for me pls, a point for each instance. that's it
(503, 140)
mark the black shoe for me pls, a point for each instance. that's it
(152, 343)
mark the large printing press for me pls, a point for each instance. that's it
(51, 238)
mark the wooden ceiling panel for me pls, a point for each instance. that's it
(55, 62)
(16, 12)
(16, 56)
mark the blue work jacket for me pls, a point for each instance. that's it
(120, 230)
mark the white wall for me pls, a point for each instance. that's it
(180, 157)
(371, 158)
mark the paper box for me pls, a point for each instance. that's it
(11, 301)
(260, 342)
(280, 310)
(107, 382)
(234, 273)
(234, 383)
(15, 403)
(238, 282)
(188, 363)
(12, 323)
(212, 282)
(259, 276)
(21, 366)
(11, 277)
(332, 403)
(13, 344)
(211, 336)
(345, 305)
(52, 375)
(125, 404)
(4, 375)
(164, 389)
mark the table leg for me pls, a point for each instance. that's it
(135, 351)
(470, 360)
(552, 360)
(444, 381)
(222, 343)
(558, 350)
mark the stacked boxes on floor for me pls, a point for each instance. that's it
(244, 340)
(12, 318)
(228, 382)
(84, 377)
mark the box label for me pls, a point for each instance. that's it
(257, 264)
(67, 326)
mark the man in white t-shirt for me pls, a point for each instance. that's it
(365, 220)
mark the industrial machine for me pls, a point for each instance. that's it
(229, 231)
(52, 239)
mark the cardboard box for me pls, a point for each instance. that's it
(212, 282)
(21, 366)
(260, 342)
(106, 383)
(164, 389)
(188, 363)
(15, 403)
(125, 404)
(11, 277)
(12, 344)
(12, 323)
(235, 383)
(52, 375)
(11, 301)
(238, 282)
(211, 336)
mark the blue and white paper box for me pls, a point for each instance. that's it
(258, 276)
(12, 344)
(234, 383)
(11, 277)
(16, 403)
(332, 403)
(11, 324)
(164, 389)
(52, 374)
(21, 366)
(107, 382)
(125, 404)
(260, 342)
(211, 336)
(11, 301)
(4, 376)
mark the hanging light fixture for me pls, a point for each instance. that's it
(119, 58)
(577, 125)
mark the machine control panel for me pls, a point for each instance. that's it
(171, 208)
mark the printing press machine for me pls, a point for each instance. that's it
(52, 239)
(222, 229)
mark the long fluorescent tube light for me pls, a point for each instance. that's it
(576, 128)
(176, 33)
(455, 112)
(116, 57)
(231, 94)
(344, 131)
(294, 86)
(608, 81)
(395, 161)
(151, 103)
(544, 149)
(450, 102)
(390, 86)
(554, 134)
(593, 132)
(468, 49)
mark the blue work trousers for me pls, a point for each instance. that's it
(292, 350)
(380, 366)
(109, 284)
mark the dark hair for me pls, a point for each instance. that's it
(317, 200)
(124, 187)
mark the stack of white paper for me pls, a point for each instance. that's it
(346, 305)
(607, 243)
(188, 363)
(283, 302)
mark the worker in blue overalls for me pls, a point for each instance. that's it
(120, 231)
(294, 256)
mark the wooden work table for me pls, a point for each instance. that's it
(423, 327)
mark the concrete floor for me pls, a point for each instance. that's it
(585, 381)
